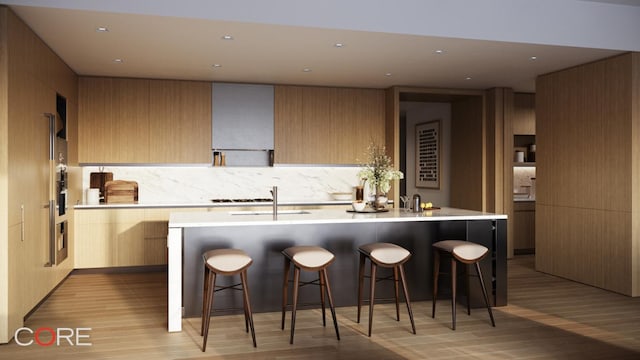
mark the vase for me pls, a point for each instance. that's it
(380, 200)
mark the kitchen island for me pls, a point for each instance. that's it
(341, 232)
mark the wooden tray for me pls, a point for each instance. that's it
(121, 192)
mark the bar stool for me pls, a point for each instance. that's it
(309, 258)
(225, 262)
(467, 253)
(386, 255)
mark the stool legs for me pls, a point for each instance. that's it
(398, 277)
(406, 296)
(360, 283)
(296, 280)
(323, 281)
(371, 295)
(331, 305)
(453, 291)
(209, 290)
(436, 273)
(247, 306)
(484, 292)
(285, 288)
(206, 315)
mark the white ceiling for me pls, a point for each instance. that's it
(276, 49)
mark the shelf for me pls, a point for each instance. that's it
(523, 164)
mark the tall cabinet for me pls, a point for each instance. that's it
(588, 173)
(30, 77)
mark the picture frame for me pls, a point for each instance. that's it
(428, 154)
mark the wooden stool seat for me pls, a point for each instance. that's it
(386, 255)
(309, 258)
(467, 253)
(225, 262)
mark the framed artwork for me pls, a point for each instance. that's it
(428, 155)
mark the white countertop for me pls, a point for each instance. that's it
(208, 205)
(322, 216)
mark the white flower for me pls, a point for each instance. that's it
(378, 170)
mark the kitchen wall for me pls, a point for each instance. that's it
(190, 184)
(416, 113)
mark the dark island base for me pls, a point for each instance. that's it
(265, 243)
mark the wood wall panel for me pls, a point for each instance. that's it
(467, 153)
(585, 174)
(635, 170)
(6, 318)
(499, 147)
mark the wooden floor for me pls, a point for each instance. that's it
(547, 318)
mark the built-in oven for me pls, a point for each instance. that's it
(58, 198)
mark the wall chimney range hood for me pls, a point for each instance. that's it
(242, 123)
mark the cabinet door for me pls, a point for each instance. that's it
(524, 114)
(95, 136)
(288, 125)
(113, 125)
(318, 125)
(180, 113)
(524, 230)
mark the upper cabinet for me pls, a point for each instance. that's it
(180, 119)
(524, 114)
(143, 121)
(322, 125)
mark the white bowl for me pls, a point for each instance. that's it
(358, 206)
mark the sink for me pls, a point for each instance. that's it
(269, 212)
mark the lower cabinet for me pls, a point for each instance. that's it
(120, 237)
(524, 227)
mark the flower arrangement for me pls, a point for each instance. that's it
(378, 171)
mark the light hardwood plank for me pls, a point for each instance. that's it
(547, 318)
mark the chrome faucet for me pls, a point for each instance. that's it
(274, 193)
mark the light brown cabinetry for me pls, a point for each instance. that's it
(322, 125)
(114, 120)
(120, 237)
(524, 227)
(180, 121)
(588, 213)
(524, 114)
(144, 121)
(30, 77)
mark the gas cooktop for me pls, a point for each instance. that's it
(241, 200)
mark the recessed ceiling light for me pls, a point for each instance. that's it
(216, 65)
(102, 29)
(439, 51)
(387, 74)
(533, 58)
(338, 45)
(118, 61)
(227, 37)
(306, 70)
(468, 78)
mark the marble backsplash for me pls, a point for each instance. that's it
(189, 185)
